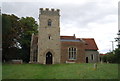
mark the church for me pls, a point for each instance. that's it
(48, 47)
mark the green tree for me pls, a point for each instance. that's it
(10, 27)
(104, 58)
(117, 55)
(16, 36)
(112, 58)
(29, 26)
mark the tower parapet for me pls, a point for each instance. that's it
(47, 11)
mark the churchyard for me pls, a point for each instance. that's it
(60, 71)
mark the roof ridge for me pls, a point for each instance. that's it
(67, 36)
(87, 38)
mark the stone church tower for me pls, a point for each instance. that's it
(48, 47)
(49, 37)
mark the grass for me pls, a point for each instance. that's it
(59, 71)
(0, 71)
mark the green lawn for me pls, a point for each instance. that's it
(59, 71)
(0, 71)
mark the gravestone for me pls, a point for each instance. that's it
(95, 66)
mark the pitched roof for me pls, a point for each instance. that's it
(90, 44)
(103, 54)
(67, 37)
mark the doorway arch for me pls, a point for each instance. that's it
(49, 58)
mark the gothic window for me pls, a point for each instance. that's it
(49, 22)
(72, 53)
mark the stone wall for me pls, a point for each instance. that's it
(34, 49)
(89, 53)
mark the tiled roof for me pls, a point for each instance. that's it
(90, 44)
(103, 54)
(70, 40)
(67, 37)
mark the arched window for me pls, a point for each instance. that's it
(49, 22)
(72, 53)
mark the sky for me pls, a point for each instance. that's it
(96, 19)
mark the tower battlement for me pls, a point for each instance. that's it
(48, 11)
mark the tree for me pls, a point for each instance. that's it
(29, 26)
(16, 34)
(117, 55)
(10, 31)
(104, 58)
(112, 58)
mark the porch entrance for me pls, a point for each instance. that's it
(49, 58)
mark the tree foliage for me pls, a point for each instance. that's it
(29, 26)
(112, 57)
(10, 31)
(117, 55)
(16, 36)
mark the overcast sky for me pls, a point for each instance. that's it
(96, 19)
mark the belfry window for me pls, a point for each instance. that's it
(49, 22)
(72, 53)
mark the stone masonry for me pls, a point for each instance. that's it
(49, 36)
